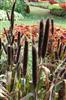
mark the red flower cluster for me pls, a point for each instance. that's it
(59, 32)
(29, 31)
(32, 32)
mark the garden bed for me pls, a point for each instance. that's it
(33, 58)
(49, 65)
(34, 30)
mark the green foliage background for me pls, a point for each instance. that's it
(61, 0)
(20, 5)
(7, 5)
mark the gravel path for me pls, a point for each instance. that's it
(38, 11)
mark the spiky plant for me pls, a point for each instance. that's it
(41, 34)
(45, 39)
(34, 66)
(52, 26)
(25, 58)
(0, 44)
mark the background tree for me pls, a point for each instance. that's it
(20, 6)
(5, 4)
